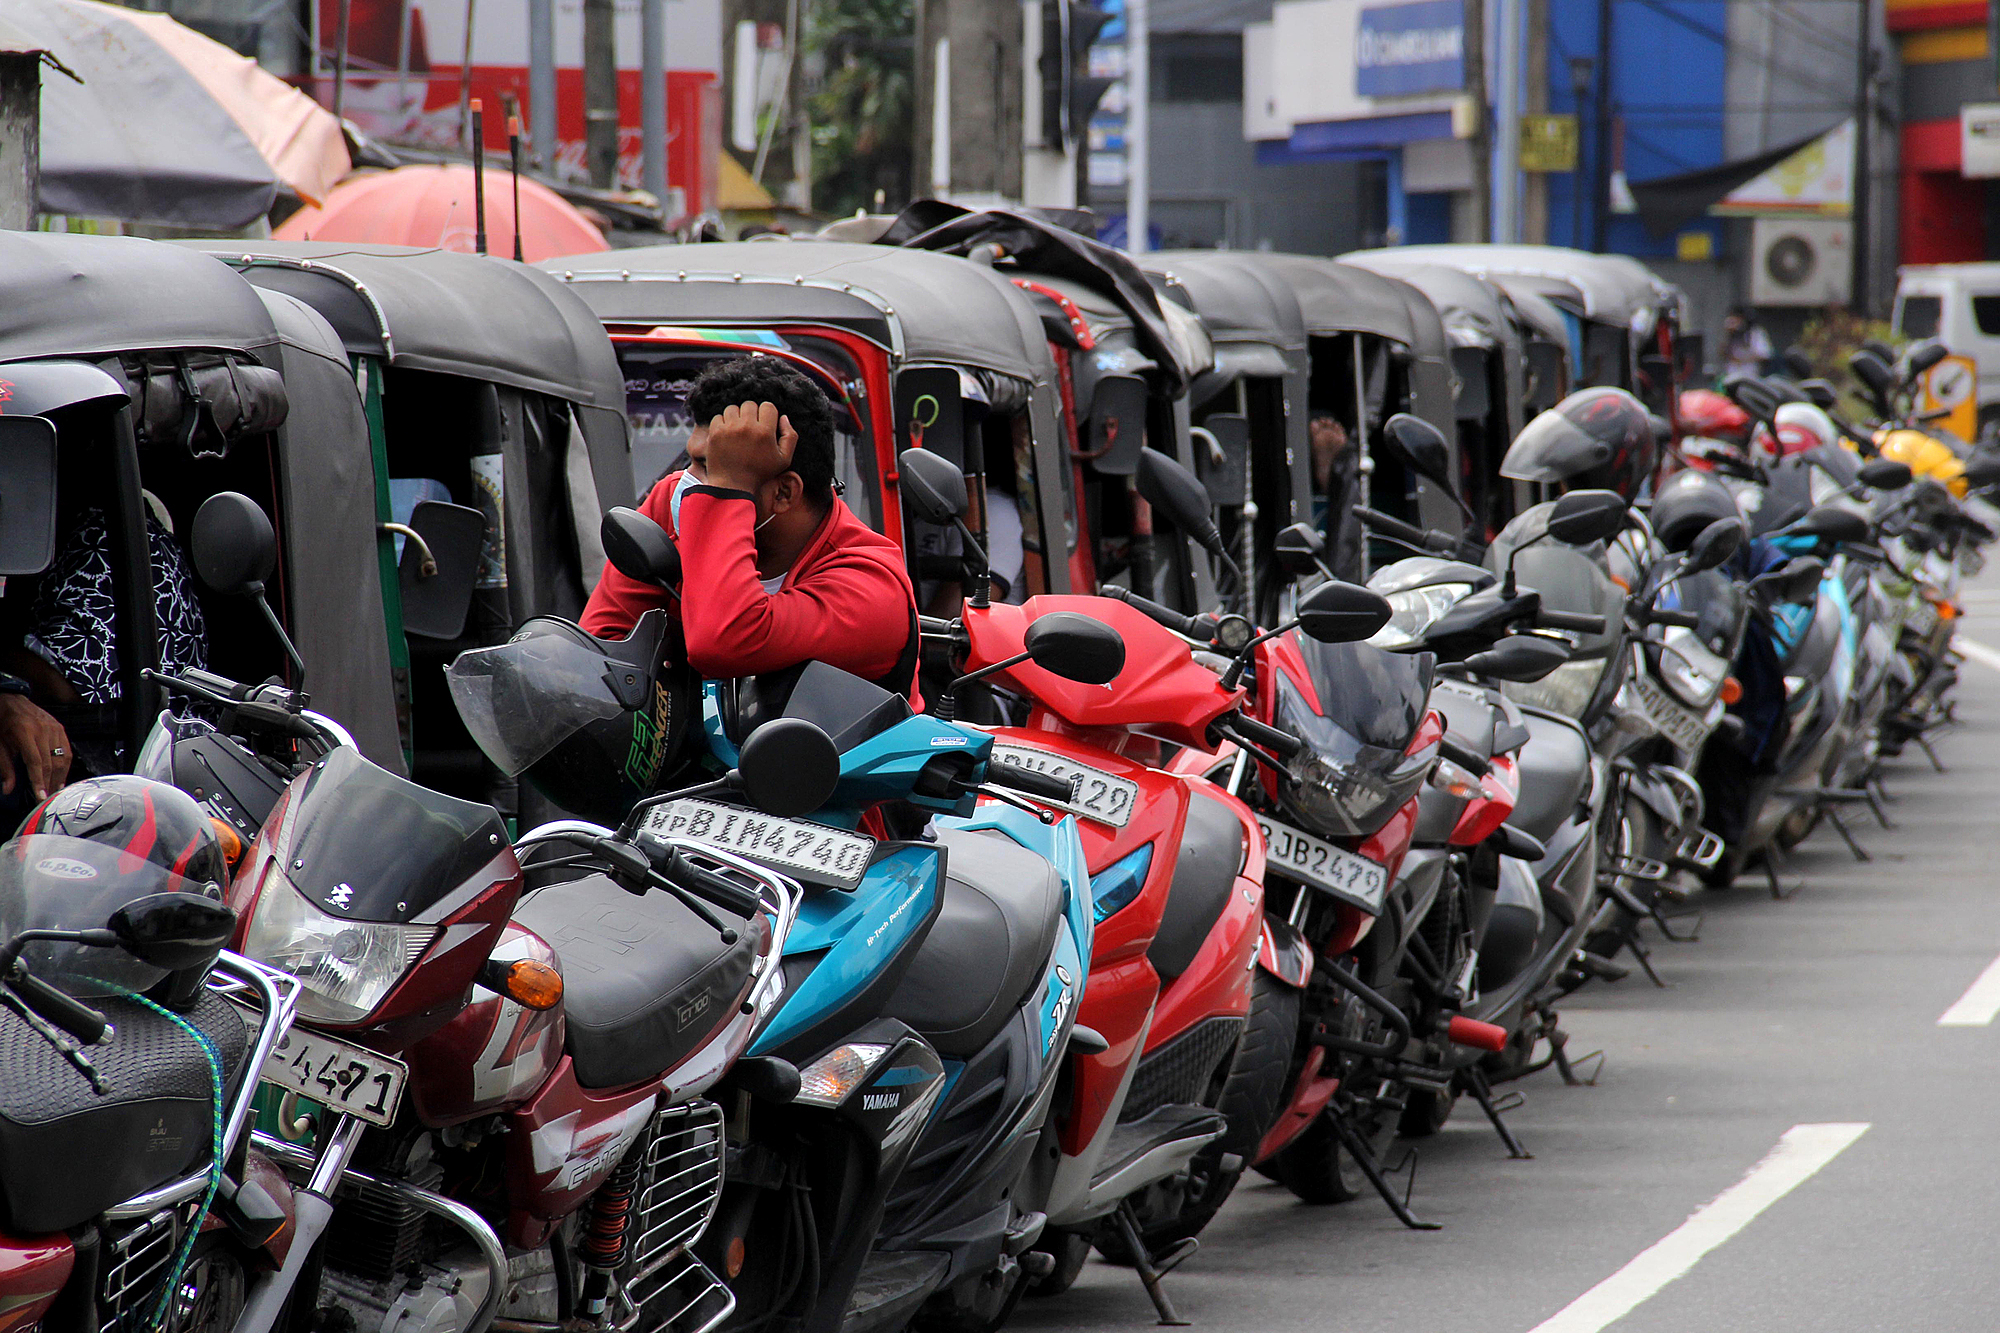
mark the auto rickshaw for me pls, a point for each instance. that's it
(492, 402)
(167, 379)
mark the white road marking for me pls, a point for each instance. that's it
(1977, 652)
(1803, 1150)
(1981, 1001)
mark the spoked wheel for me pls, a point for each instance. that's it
(212, 1290)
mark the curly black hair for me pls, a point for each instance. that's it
(766, 379)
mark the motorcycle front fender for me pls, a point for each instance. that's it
(1282, 952)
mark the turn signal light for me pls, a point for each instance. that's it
(1732, 690)
(829, 1079)
(232, 842)
(528, 982)
(1947, 610)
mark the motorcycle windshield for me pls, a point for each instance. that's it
(1377, 697)
(1354, 773)
(521, 700)
(51, 882)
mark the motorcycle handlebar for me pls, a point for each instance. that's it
(1193, 627)
(1029, 783)
(1394, 527)
(1582, 624)
(67, 1012)
(1280, 743)
(1470, 760)
(1683, 619)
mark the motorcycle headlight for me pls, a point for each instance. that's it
(347, 967)
(1567, 690)
(1414, 610)
(1691, 671)
(1333, 797)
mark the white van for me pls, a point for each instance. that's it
(1958, 304)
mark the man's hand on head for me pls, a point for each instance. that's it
(748, 445)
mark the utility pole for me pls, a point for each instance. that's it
(1600, 165)
(1479, 214)
(541, 82)
(1138, 125)
(1861, 296)
(653, 99)
(600, 92)
(1580, 68)
(1507, 110)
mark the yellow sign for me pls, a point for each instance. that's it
(1952, 386)
(1694, 247)
(1548, 143)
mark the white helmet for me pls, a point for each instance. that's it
(1803, 426)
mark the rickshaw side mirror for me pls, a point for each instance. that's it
(1177, 493)
(27, 494)
(233, 544)
(439, 570)
(1422, 448)
(930, 485)
(639, 548)
(1117, 425)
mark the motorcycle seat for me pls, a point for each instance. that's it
(991, 941)
(645, 981)
(1555, 773)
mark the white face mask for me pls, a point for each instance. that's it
(688, 479)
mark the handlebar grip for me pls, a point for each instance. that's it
(65, 1011)
(1470, 760)
(683, 873)
(1280, 743)
(1042, 786)
(1684, 619)
(1165, 615)
(1582, 624)
(1395, 527)
(261, 716)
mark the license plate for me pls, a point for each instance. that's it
(807, 850)
(1300, 855)
(1683, 726)
(339, 1075)
(1095, 794)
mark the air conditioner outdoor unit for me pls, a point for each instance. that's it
(1800, 261)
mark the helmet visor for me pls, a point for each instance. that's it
(521, 700)
(52, 882)
(1554, 448)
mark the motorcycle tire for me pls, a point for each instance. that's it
(1317, 1170)
(1252, 1093)
(1426, 1112)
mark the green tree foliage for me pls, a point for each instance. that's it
(863, 107)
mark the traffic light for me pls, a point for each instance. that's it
(1069, 94)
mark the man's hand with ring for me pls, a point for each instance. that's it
(37, 741)
(748, 445)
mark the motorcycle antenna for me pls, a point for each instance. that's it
(479, 177)
(514, 173)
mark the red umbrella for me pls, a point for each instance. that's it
(433, 206)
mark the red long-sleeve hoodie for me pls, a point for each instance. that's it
(846, 601)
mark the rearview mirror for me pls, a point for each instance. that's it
(930, 485)
(788, 767)
(1422, 448)
(639, 548)
(233, 544)
(1982, 470)
(1924, 355)
(1885, 474)
(1177, 493)
(1520, 658)
(27, 494)
(1583, 517)
(1820, 393)
(1796, 581)
(1299, 549)
(174, 931)
(1874, 373)
(1116, 430)
(1798, 366)
(1339, 612)
(1075, 647)
(1829, 523)
(1713, 545)
(1753, 395)
(438, 572)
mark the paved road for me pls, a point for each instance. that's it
(1819, 1010)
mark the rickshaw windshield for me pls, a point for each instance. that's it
(661, 371)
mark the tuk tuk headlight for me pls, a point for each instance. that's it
(1414, 610)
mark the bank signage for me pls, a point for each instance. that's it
(1406, 49)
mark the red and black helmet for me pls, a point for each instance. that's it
(1712, 415)
(1595, 439)
(142, 818)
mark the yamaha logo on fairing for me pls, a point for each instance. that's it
(881, 1101)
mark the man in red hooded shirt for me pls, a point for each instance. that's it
(775, 569)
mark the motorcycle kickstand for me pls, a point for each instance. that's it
(1142, 1260)
(1840, 827)
(1661, 920)
(1930, 752)
(1559, 1053)
(1372, 1169)
(1778, 891)
(1482, 1092)
(1878, 801)
(1644, 956)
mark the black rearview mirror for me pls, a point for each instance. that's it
(1116, 429)
(1339, 612)
(1819, 392)
(1924, 355)
(1982, 470)
(639, 548)
(1798, 366)
(1179, 494)
(1299, 549)
(1422, 448)
(1075, 647)
(1753, 395)
(439, 570)
(1582, 517)
(1830, 523)
(1520, 658)
(1797, 581)
(233, 544)
(930, 485)
(1874, 373)
(788, 767)
(27, 494)
(1713, 545)
(1886, 474)
(174, 931)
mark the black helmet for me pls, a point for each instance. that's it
(1686, 503)
(591, 723)
(1595, 439)
(94, 847)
